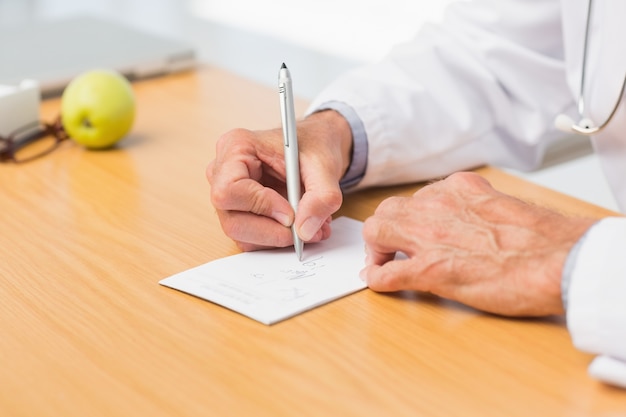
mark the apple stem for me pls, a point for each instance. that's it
(86, 123)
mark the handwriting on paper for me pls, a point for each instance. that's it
(307, 270)
(272, 285)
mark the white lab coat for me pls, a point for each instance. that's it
(484, 87)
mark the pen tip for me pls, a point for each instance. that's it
(283, 66)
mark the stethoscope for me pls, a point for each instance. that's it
(585, 126)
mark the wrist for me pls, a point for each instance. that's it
(568, 270)
(336, 132)
(566, 240)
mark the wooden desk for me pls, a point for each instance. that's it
(87, 330)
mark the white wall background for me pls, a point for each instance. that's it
(361, 30)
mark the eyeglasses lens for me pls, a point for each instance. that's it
(32, 143)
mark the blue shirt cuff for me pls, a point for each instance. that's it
(358, 161)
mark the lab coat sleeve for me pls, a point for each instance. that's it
(596, 310)
(482, 87)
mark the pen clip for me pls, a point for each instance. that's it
(282, 92)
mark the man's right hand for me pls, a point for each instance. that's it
(248, 189)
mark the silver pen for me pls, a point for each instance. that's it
(290, 140)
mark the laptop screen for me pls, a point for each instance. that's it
(53, 52)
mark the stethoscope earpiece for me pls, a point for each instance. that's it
(564, 122)
(586, 124)
(584, 127)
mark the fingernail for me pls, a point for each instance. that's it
(282, 218)
(363, 275)
(309, 228)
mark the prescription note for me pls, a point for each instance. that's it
(272, 285)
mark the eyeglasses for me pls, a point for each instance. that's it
(32, 141)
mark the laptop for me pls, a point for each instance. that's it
(54, 52)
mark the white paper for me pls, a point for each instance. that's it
(272, 285)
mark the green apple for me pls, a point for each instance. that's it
(98, 108)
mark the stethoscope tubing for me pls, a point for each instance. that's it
(585, 126)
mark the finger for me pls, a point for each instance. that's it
(322, 198)
(384, 236)
(394, 275)
(247, 195)
(243, 175)
(373, 257)
(253, 232)
(234, 187)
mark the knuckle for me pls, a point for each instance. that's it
(220, 196)
(389, 204)
(439, 203)
(370, 229)
(375, 231)
(461, 176)
(259, 204)
(209, 171)
(231, 142)
(467, 180)
(243, 196)
(331, 200)
(233, 135)
(222, 142)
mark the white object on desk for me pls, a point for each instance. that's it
(19, 106)
(272, 285)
